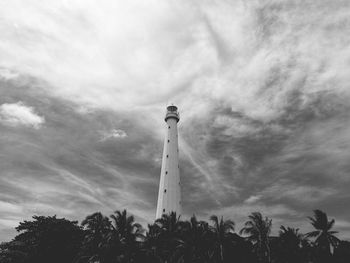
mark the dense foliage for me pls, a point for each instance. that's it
(118, 238)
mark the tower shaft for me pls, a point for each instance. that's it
(169, 195)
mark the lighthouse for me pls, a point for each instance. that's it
(169, 195)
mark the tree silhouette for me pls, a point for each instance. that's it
(125, 236)
(221, 230)
(324, 237)
(151, 248)
(170, 227)
(97, 227)
(258, 231)
(289, 245)
(46, 239)
(195, 243)
(119, 239)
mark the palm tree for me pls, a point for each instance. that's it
(170, 228)
(152, 244)
(324, 237)
(221, 230)
(194, 244)
(169, 223)
(289, 245)
(126, 234)
(97, 227)
(258, 231)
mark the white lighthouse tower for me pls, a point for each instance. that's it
(169, 196)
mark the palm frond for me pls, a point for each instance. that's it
(330, 224)
(313, 234)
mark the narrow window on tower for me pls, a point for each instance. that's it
(164, 190)
(167, 156)
(163, 210)
(168, 140)
(168, 127)
(166, 172)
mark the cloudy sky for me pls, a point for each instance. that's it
(262, 87)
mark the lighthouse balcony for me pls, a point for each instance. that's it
(172, 113)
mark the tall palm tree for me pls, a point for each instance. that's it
(127, 234)
(97, 227)
(324, 237)
(152, 244)
(258, 230)
(221, 230)
(169, 223)
(194, 244)
(170, 228)
(289, 245)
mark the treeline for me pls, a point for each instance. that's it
(118, 238)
